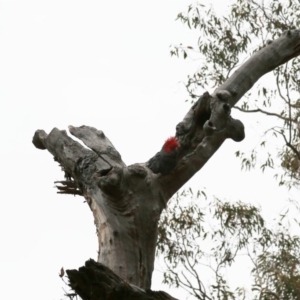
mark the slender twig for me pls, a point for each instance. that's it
(179, 280)
(262, 111)
(279, 88)
(193, 271)
(289, 144)
(289, 102)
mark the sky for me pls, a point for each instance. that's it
(104, 64)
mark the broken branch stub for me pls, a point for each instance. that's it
(208, 115)
(95, 281)
(204, 128)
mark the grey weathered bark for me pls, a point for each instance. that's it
(127, 200)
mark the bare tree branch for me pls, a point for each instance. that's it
(262, 111)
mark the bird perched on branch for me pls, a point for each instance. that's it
(165, 160)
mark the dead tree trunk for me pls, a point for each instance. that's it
(127, 200)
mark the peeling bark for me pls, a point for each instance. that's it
(127, 200)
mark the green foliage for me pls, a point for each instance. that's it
(197, 236)
(276, 270)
